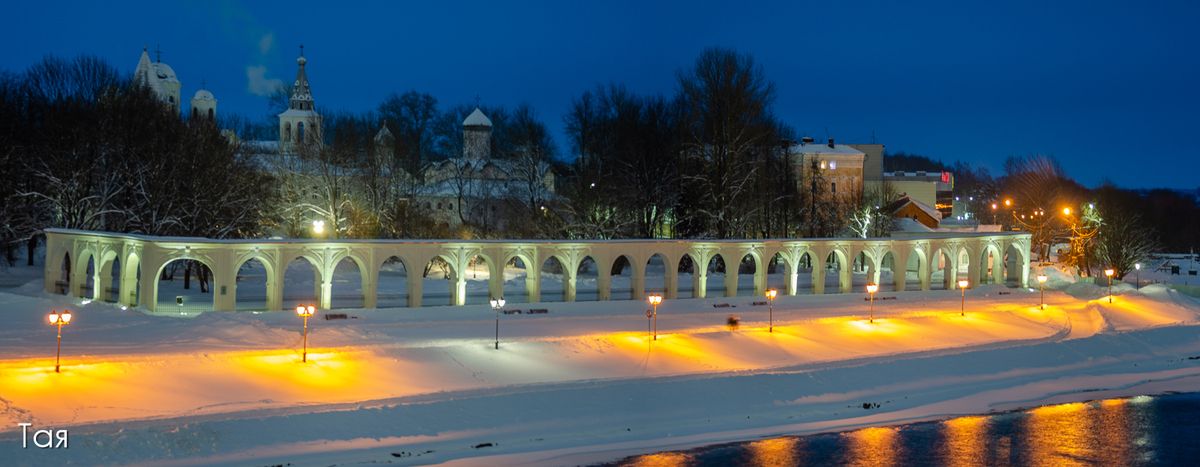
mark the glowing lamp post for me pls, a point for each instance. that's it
(1138, 268)
(497, 304)
(771, 294)
(318, 227)
(305, 312)
(1109, 272)
(962, 286)
(655, 300)
(871, 289)
(1041, 278)
(59, 319)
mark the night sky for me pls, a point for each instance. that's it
(1110, 88)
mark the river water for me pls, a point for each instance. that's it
(1143, 430)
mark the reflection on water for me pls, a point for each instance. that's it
(1159, 430)
(776, 451)
(662, 459)
(872, 446)
(964, 441)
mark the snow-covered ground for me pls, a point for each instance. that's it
(582, 383)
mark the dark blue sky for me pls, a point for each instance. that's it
(1110, 88)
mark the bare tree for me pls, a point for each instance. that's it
(1123, 241)
(727, 124)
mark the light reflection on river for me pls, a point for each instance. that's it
(1159, 430)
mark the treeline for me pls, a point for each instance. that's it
(709, 161)
(83, 147)
(86, 147)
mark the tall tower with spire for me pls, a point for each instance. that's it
(477, 136)
(300, 123)
(160, 78)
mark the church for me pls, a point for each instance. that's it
(161, 79)
(472, 188)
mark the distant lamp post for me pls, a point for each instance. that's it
(60, 319)
(1137, 267)
(1109, 272)
(1041, 278)
(994, 206)
(771, 294)
(1066, 211)
(305, 312)
(318, 227)
(655, 300)
(497, 304)
(871, 289)
(962, 286)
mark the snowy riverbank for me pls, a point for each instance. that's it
(580, 384)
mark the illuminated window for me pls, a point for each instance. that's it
(832, 165)
(824, 165)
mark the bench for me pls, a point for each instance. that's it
(329, 316)
(61, 286)
(887, 297)
(758, 303)
(722, 305)
(511, 312)
(538, 311)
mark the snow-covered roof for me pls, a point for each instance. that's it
(203, 95)
(910, 225)
(820, 148)
(300, 113)
(477, 118)
(904, 200)
(154, 74)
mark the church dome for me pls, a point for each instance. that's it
(164, 72)
(203, 95)
(477, 118)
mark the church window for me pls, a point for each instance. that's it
(287, 131)
(210, 114)
(299, 132)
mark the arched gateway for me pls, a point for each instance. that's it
(818, 258)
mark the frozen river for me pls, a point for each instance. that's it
(1158, 430)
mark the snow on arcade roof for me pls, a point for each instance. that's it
(401, 241)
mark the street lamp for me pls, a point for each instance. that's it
(871, 289)
(497, 304)
(654, 299)
(1138, 268)
(305, 312)
(1041, 278)
(1109, 272)
(1066, 211)
(962, 286)
(771, 294)
(59, 319)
